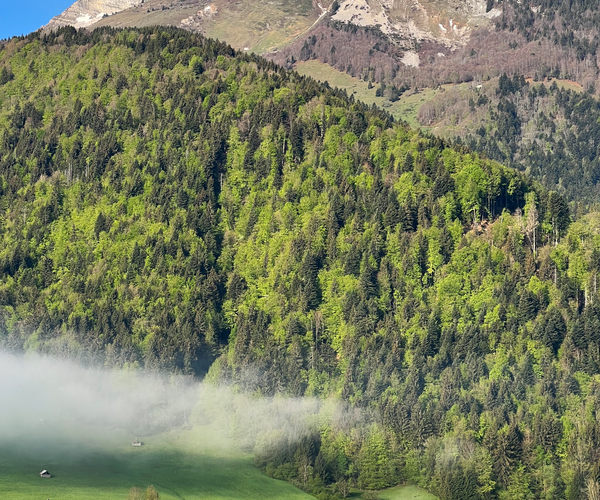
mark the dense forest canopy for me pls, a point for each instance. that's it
(168, 203)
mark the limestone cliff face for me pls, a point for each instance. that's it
(84, 13)
(448, 22)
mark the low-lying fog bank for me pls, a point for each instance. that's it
(39, 390)
(37, 394)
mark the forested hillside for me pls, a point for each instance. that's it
(169, 203)
(538, 126)
(569, 24)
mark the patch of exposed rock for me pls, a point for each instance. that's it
(193, 22)
(84, 13)
(447, 22)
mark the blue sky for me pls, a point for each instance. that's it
(19, 17)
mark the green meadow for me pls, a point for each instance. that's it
(406, 108)
(405, 493)
(91, 463)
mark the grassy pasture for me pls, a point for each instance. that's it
(405, 493)
(404, 109)
(195, 464)
(259, 26)
(89, 463)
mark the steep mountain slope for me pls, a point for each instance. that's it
(548, 128)
(448, 22)
(251, 24)
(167, 202)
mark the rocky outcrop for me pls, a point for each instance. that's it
(447, 22)
(84, 13)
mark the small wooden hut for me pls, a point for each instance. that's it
(45, 474)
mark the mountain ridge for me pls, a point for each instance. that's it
(406, 21)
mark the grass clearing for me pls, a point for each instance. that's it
(404, 109)
(407, 108)
(563, 84)
(405, 493)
